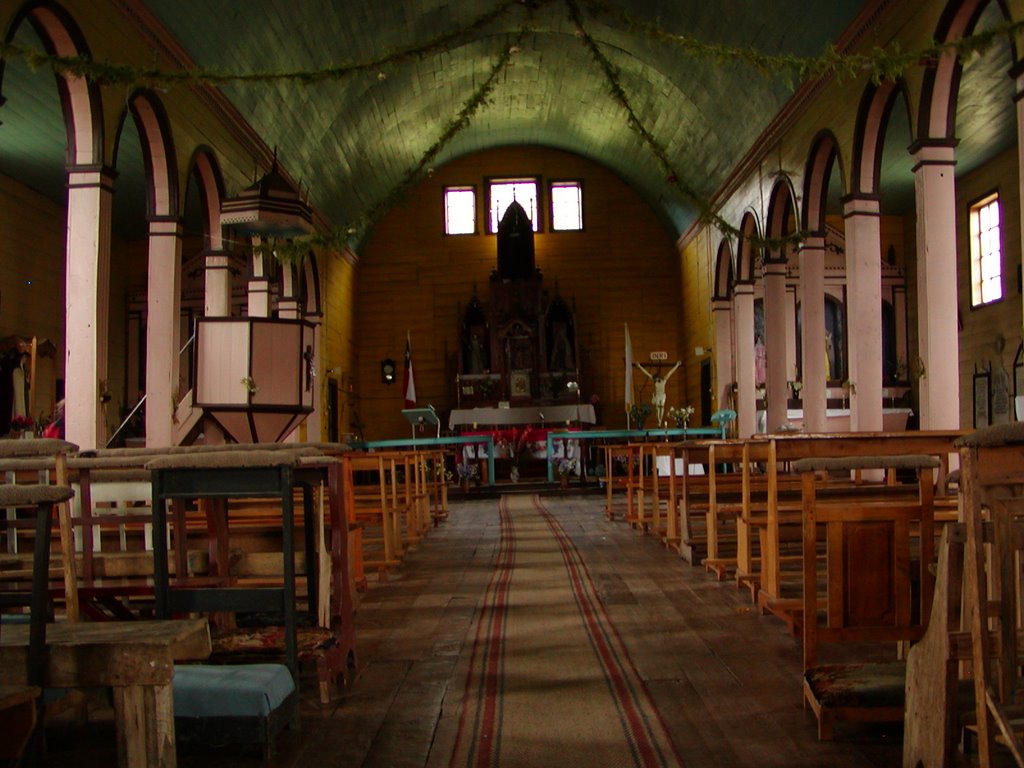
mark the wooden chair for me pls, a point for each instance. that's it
(876, 594)
(992, 485)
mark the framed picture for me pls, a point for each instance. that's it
(982, 399)
(519, 384)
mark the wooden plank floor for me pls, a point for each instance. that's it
(726, 680)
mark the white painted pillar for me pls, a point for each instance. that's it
(1017, 73)
(721, 317)
(88, 291)
(864, 310)
(163, 335)
(775, 341)
(938, 336)
(259, 284)
(746, 397)
(217, 267)
(288, 300)
(812, 314)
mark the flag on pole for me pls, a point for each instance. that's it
(408, 380)
(629, 371)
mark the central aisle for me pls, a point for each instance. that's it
(549, 676)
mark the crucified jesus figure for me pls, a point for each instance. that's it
(658, 398)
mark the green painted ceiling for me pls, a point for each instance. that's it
(352, 141)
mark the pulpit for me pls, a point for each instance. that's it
(255, 376)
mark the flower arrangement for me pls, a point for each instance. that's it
(638, 412)
(796, 386)
(681, 416)
(22, 423)
(515, 441)
(467, 471)
(565, 467)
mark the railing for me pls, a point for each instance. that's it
(186, 379)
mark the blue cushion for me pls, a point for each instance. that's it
(245, 690)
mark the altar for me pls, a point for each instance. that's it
(540, 415)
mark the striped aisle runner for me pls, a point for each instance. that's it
(550, 682)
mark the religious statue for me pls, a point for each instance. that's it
(658, 398)
(561, 351)
(476, 354)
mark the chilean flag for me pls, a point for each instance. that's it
(408, 380)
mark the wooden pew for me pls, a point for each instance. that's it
(992, 485)
(778, 594)
(20, 691)
(614, 453)
(868, 599)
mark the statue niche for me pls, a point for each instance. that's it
(520, 347)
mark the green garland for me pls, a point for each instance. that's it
(131, 76)
(295, 249)
(879, 64)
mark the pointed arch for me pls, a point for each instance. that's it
(210, 183)
(781, 210)
(747, 249)
(822, 161)
(873, 114)
(162, 198)
(80, 99)
(723, 272)
(940, 88)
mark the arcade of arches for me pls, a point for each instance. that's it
(870, 309)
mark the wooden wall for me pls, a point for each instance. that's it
(411, 277)
(32, 251)
(990, 335)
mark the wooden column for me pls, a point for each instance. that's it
(216, 265)
(746, 405)
(721, 317)
(812, 328)
(259, 284)
(775, 340)
(163, 337)
(864, 310)
(90, 192)
(938, 336)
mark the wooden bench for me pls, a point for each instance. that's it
(875, 560)
(992, 486)
(779, 590)
(615, 453)
(21, 699)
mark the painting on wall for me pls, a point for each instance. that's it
(982, 399)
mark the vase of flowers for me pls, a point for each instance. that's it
(638, 413)
(467, 473)
(563, 469)
(21, 426)
(681, 416)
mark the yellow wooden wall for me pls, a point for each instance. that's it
(990, 335)
(412, 277)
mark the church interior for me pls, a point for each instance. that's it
(374, 312)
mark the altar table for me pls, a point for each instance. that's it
(549, 415)
(135, 658)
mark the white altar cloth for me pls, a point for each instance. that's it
(547, 415)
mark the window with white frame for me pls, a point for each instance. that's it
(986, 252)
(459, 211)
(502, 193)
(566, 206)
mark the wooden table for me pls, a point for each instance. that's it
(136, 659)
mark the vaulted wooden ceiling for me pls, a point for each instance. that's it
(353, 140)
